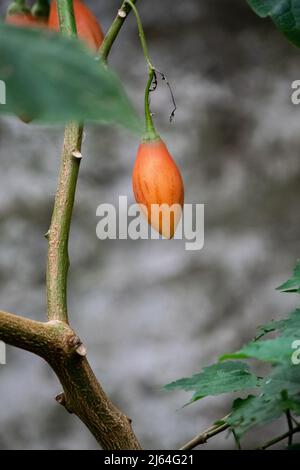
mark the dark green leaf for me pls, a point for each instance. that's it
(293, 284)
(279, 393)
(271, 350)
(284, 13)
(273, 325)
(289, 327)
(217, 379)
(55, 79)
(261, 7)
(252, 411)
(283, 378)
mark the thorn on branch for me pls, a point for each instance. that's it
(81, 350)
(122, 13)
(76, 154)
(61, 399)
(47, 234)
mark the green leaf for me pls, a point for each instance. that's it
(284, 13)
(217, 379)
(279, 393)
(252, 411)
(273, 350)
(293, 284)
(289, 327)
(273, 325)
(55, 79)
(261, 8)
(283, 379)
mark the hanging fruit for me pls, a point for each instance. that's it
(158, 186)
(156, 179)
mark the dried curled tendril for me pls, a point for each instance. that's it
(154, 87)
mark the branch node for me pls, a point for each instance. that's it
(74, 342)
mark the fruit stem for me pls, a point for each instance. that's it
(150, 132)
(17, 7)
(66, 18)
(41, 9)
(141, 33)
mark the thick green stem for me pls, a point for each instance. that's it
(58, 235)
(66, 17)
(114, 31)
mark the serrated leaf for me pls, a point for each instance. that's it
(55, 79)
(293, 284)
(291, 326)
(253, 411)
(273, 350)
(285, 14)
(287, 327)
(283, 378)
(279, 393)
(217, 379)
(273, 325)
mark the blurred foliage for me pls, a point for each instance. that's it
(55, 79)
(276, 393)
(284, 13)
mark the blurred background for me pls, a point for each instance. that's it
(149, 311)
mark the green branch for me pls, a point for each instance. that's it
(203, 437)
(286, 435)
(58, 234)
(113, 31)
